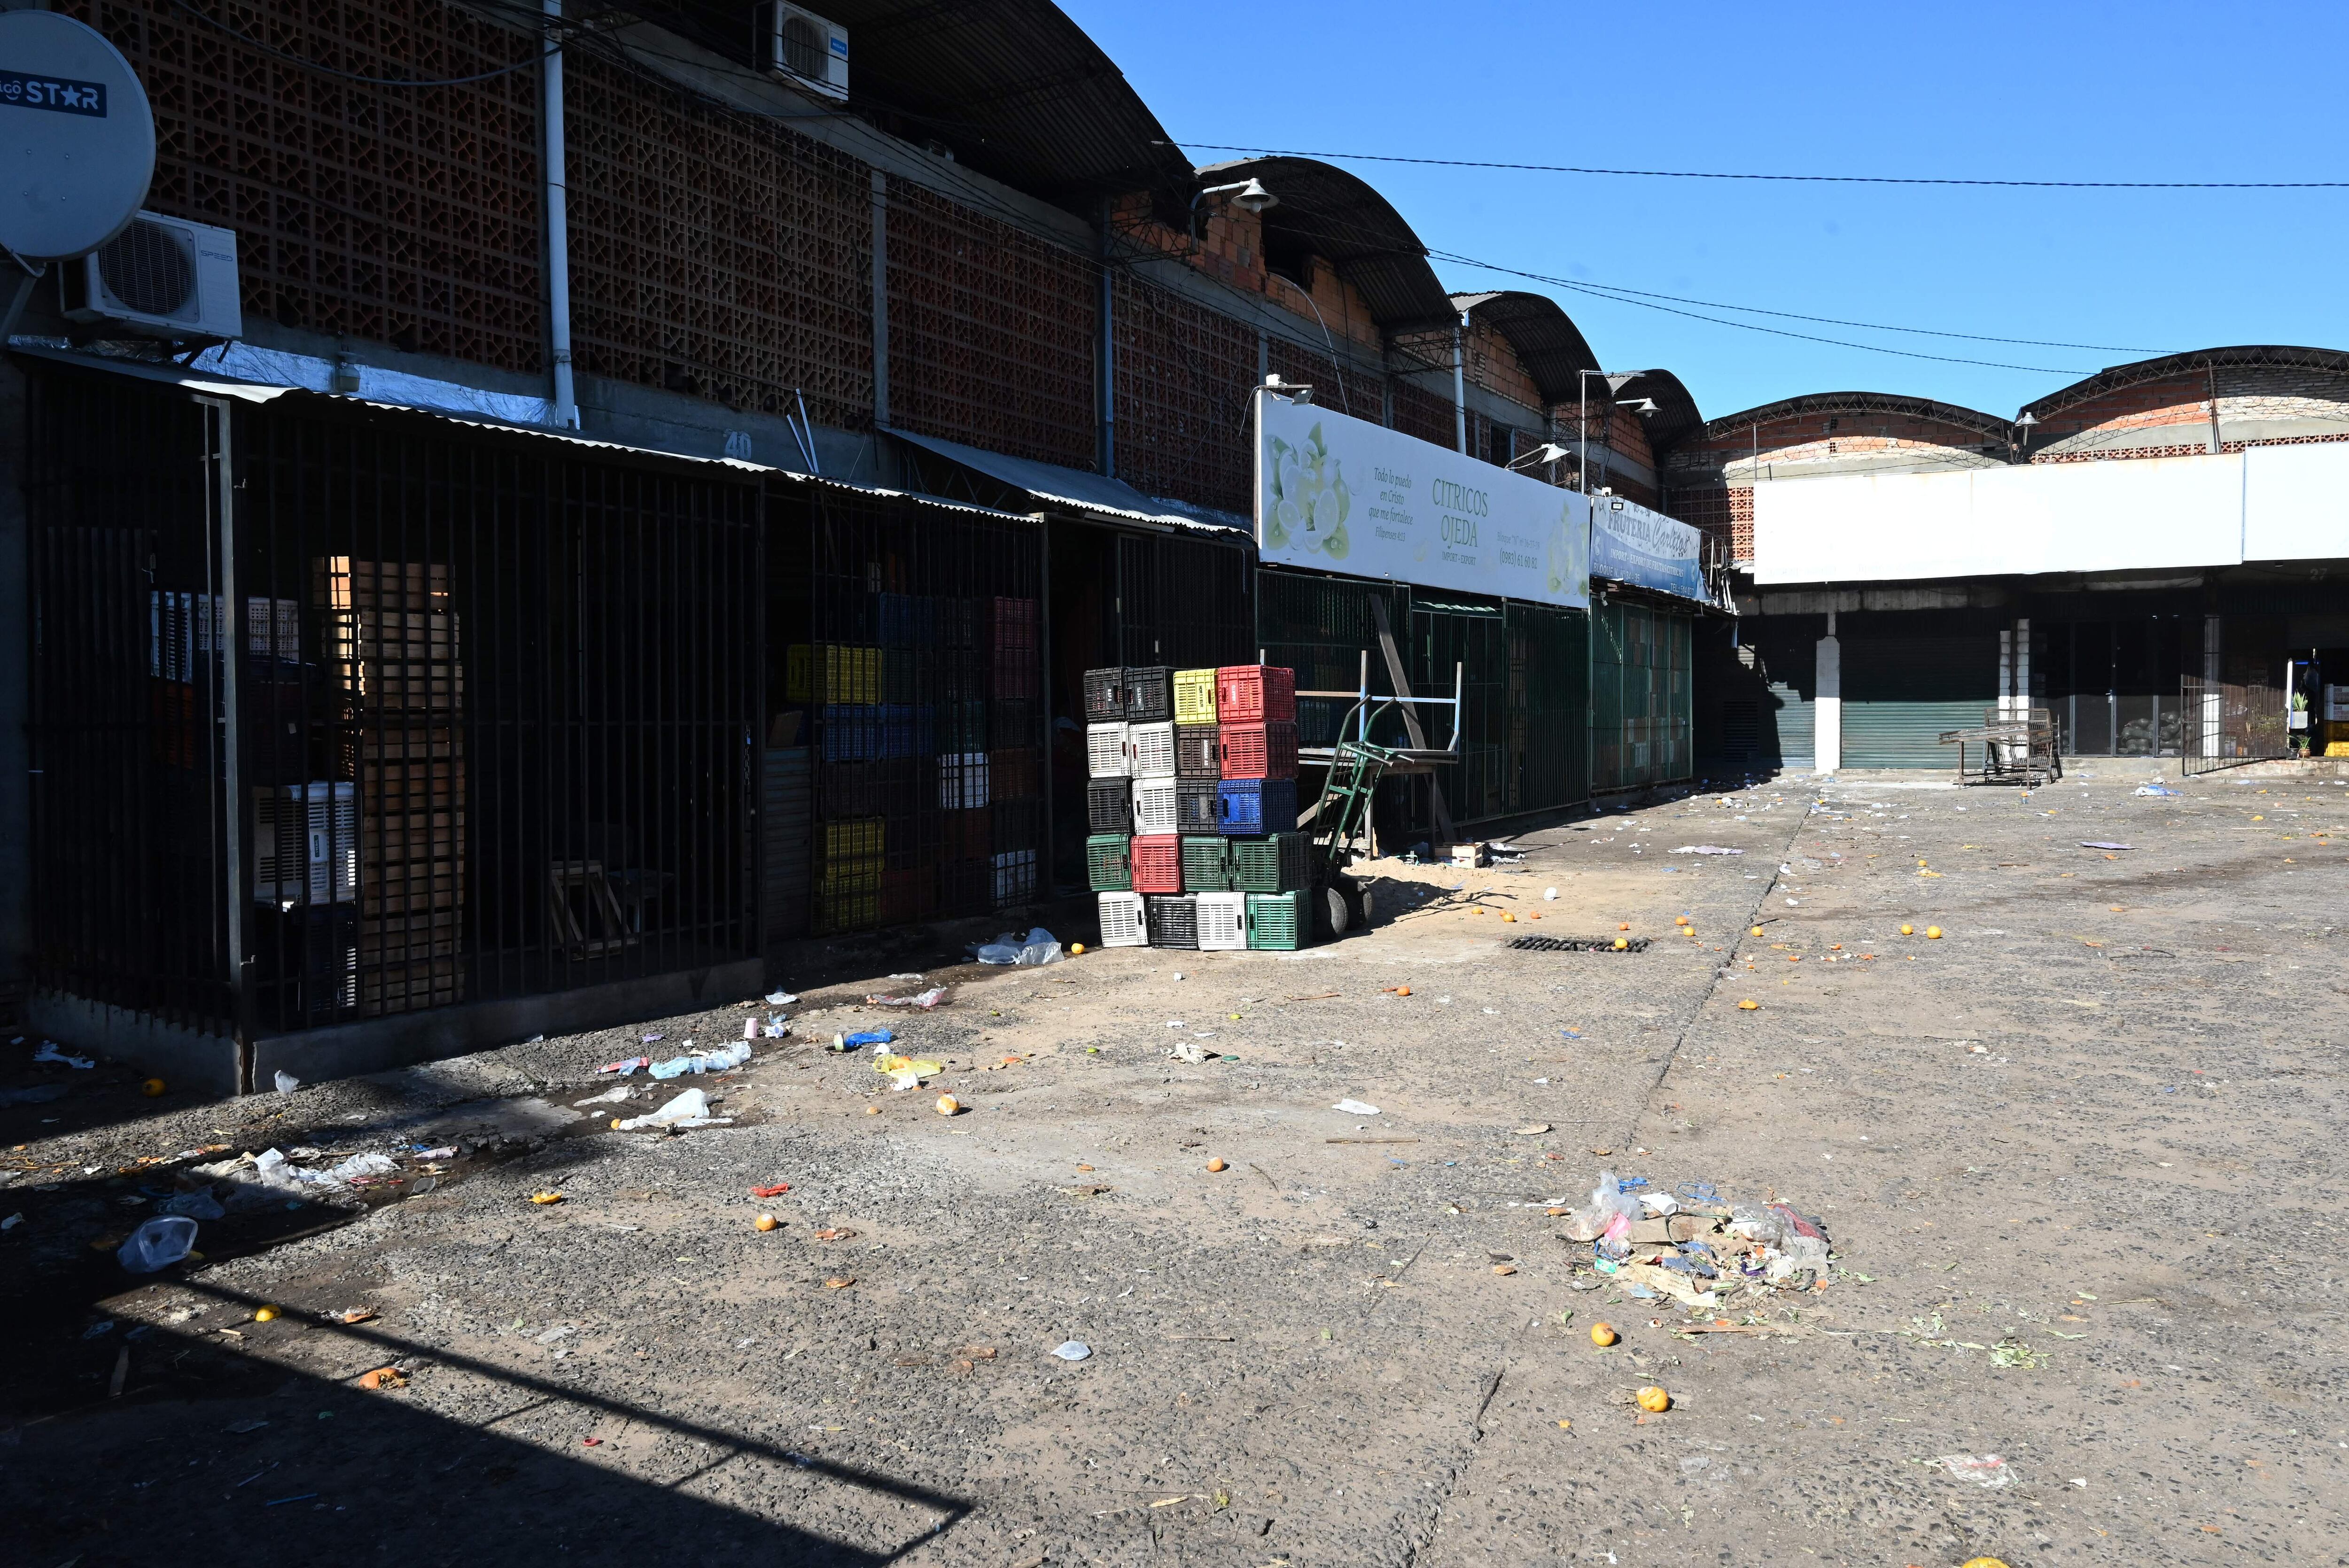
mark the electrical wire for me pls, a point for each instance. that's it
(1788, 178)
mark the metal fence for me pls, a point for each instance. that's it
(914, 661)
(422, 717)
(2226, 723)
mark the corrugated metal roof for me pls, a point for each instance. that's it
(1013, 88)
(1338, 216)
(2114, 377)
(1548, 343)
(1077, 488)
(1860, 403)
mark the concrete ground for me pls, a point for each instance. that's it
(2080, 1157)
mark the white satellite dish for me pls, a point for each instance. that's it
(77, 138)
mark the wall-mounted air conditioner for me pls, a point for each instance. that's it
(165, 276)
(803, 47)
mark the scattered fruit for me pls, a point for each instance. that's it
(872, 1110)
(1654, 1400)
(1603, 1334)
(948, 1105)
(1624, 927)
(152, 1088)
(265, 1314)
(1758, 931)
(765, 1223)
(1934, 932)
(1076, 950)
(546, 1198)
(1907, 931)
(1680, 920)
(383, 1377)
(838, 1282)
(1748, 1005)
(1217, 1165)
(1505, 1268)
(1508, 919)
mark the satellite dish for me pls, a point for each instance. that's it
(77, 138)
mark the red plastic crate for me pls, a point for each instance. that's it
(1258, 750)
(1158, 863)
(1255, 694)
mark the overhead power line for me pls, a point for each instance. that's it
(1786, 178)
(1635, 296)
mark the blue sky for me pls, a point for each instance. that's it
(2146, 91)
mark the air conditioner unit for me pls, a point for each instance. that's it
(167, 276)
(803, 47)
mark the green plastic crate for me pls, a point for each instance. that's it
(1206, 868)
(1280, 921)
(1277, 863)
(1108, 863)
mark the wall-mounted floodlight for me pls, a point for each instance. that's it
(1248, 195)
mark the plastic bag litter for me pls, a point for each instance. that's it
(925, 1000)
(906, 1072)
(49, 1053)
(1040, 947)
(609, 1096)
(1982, 1469)
(286, 1082)
(200, 1205)
(2158, 787)
(1706, 849)
(780, 998)
(691, 1106)
(625, 1069)
(1356, 1108)
(719, 1060)
(158, 1243)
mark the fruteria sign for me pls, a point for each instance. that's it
(1632, 544)
(1340, 494)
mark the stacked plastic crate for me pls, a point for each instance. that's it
(1189, 769)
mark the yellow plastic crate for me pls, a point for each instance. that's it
(1194, 697)
(799, 673)
(854, 839)
(848, 674)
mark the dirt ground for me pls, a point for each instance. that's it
(2079, 1155)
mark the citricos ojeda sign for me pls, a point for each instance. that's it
(1341, 494)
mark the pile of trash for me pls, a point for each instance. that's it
(1691, 1247)
(258, 1181)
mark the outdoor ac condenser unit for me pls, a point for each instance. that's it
(166, 276)
(803, 47)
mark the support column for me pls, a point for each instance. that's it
(1460, 385)
(2210, 715)
(563, 399)
(1826, 712)
(880, 300)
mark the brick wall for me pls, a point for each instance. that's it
(1183, 377)
(2170, 416)
(400, 215)
(716, 253)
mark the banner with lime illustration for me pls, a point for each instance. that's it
(1342, 494)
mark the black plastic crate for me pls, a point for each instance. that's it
(1109, 805)
(1173, 920)
(1198, 752)
(1194, 806)
(1149, 693)
(1104, 694)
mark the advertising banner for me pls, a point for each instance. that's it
(1340, 494)
(1632, 544)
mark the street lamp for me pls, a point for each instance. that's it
(1643, 406)
(1248, 195)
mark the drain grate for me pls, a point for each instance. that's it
(1580, 945)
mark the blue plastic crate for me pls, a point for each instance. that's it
(851, 731)
(1248, 807)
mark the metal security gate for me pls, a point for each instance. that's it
(1187, 602)
(1641, 703)
(920, 684)
(421, 716)
(1900, 696)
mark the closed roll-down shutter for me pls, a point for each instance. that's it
(1786, 736)
(1898, 697)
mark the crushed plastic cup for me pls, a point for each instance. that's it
(158, 1243)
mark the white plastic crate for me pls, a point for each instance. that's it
(1151, 748)
(1122, 922)
(1015, 878)
(1223, 921)
(1153, 806)
(962, 780)
(1105, 755)
(306, 843)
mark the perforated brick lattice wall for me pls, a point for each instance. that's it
(1183, 377)
(1419, 412)
(401, 215)
(714, 253)
(990, 332)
